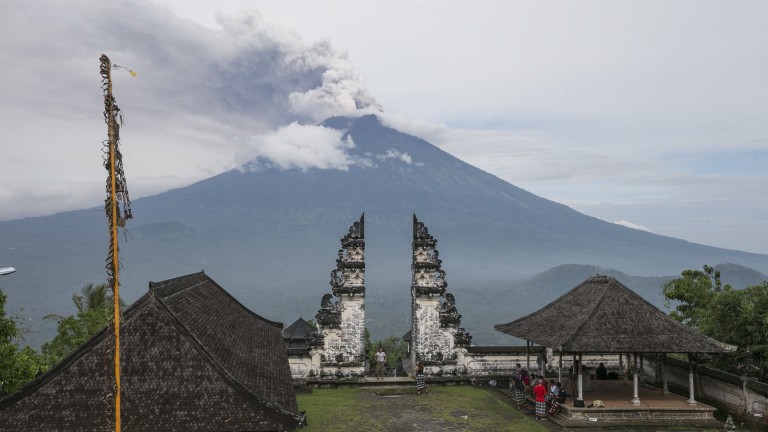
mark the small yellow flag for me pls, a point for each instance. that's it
(130, 71)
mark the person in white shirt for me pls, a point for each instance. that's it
(381, 361)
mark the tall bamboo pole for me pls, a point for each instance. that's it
(116, 192)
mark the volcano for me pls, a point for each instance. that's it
(270, 235)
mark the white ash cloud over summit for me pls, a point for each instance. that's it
(301, 147)
(263, 64)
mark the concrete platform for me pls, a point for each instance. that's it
(655, 409)
(373, 381)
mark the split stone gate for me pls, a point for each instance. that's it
(335, 349)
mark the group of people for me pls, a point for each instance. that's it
(546, 394)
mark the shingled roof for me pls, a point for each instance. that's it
(193, 358)
(298, 331)
(295, 336)
(603, 316)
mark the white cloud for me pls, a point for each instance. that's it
(629, 224)
(303, 147)
(395, 154)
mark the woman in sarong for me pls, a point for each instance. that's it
(518, 390)
(421, 379)
(540, 393)
(554, 408)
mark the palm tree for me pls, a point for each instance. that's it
(94, 311)
(92, 297)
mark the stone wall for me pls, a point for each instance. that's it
(717, 388)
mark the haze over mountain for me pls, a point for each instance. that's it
(269, 235)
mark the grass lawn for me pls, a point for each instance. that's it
(398, 408)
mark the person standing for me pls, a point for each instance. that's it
(601, 372)
(381, 361)
(553, 399)
(421, 379)
(518, 389)
(527, 382)
(540, 393)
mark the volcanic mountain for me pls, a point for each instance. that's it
(270, 235)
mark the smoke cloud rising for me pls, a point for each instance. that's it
(201, 97)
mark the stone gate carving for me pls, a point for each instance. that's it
(335, 350)
(437, 340)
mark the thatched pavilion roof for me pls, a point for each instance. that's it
(603, 316)
(193, 358)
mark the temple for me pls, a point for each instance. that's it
(599, 322)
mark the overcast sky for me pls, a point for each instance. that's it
(653, 114)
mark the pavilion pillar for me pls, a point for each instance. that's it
(621, 365)
(573, 379)
(528, 356)
(543, 357)
(628, 359)
(580, 381)
(664, 384)
(560, 368)
(635, 382)
(691, 399)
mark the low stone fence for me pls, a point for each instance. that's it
(486, 363)
(748, 399)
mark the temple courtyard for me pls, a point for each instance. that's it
(391, 404)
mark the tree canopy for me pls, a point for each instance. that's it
(17, 366)
(734, 316)
(94, 307)
(394, 346)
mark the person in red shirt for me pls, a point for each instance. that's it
(540, 392)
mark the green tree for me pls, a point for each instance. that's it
(17, 366)
(692, 293)
(95, 308)
(735, 316)
(367, 346)
(93, 297)
(740, 317)
(394, 346)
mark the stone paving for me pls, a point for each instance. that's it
(619, 393)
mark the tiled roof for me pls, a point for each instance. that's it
(603, 316)
(295, 337)
(298, 330)
(193, 358)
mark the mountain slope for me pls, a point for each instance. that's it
(270, 236)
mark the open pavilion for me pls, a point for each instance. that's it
(601, 316)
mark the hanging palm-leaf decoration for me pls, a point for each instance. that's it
(117, 206)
